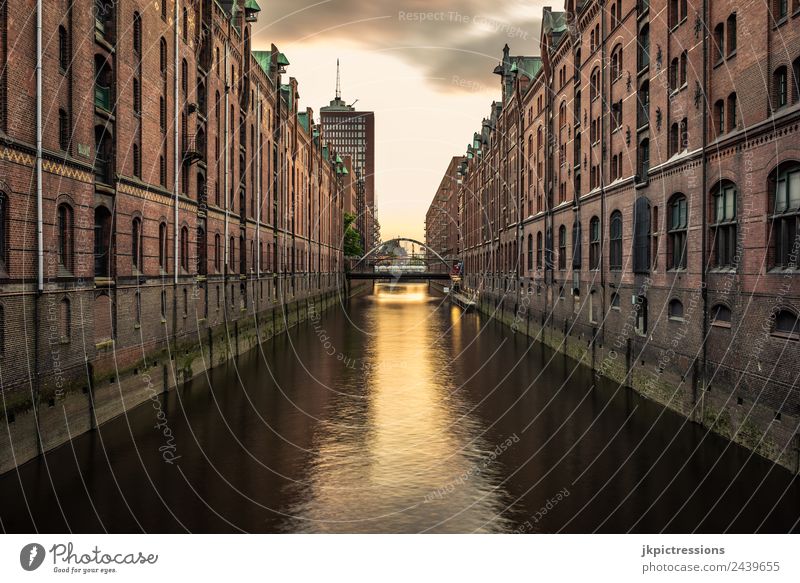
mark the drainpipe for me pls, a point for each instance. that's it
(39, 210)
(176, 158)
(227, 164)
(258, 183)
(703, 198)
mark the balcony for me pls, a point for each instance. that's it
(192, 147)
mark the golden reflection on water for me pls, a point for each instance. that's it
(402, 456)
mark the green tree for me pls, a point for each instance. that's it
(352, 240)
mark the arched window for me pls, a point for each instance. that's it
(719, 42)
(594, 89)
(202, 245)
(674, 139)
(731, 113)
(785, 184)
(682, 71)
(719, 116)
(539, 250)
(577, 238)
(136, 245)
(65, 236)
(673, 74)
(102, 242)
(137, 34)
(641, 236)
(562, 247)
(3, 231)
(594, 243)
(616, 63)
(723, 229)
(63, 48)
(675, 309)
(530, 252)
(65, 320)
(780, 84)
(676, 231)
(185, 248)
(731, 34)
(721, 316)
(163, 56)
(163, 255)
(786, 325)
(615, 242)
(644, 47)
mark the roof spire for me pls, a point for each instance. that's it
(338, 84)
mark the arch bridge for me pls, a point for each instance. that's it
(385, 262)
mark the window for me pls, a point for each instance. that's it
(723, 230)
(675, 309)
(137, 161)
(641, 315)
(539, 250)
(163, 56)
(673, 74)
(102, 242)
(719, 116)
(641, 236)
(616, 63)
(615, 239)
(137, 34)
(644, 48)
(616, 116)
(562, 247)
(217, 252)
(785, 183)
(136, 245)
(202, 245)
(163, 304)
(137, 97)
(594, 88)
(682, 71)
(732, 122)
(721, 316)
(594, 243)
(731, 34)
(719, 42)
(65, 236)
(614, 301)
(530, 252)
(779, 87)
(63, 48)
(786, 325)
(676, 232)
(63, 130)
(164, 9)
(796, 80)
(781, 9)
(577, 237)
(674, 139)
(185, 249)
(162, 246)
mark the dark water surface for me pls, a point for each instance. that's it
(401, 414)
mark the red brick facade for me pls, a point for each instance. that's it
(140, 251)
(650, 226)
(442, 227)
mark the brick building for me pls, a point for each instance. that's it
(442, 220)
(170, 195)
(633, 199)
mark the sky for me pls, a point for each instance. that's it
(424, 68)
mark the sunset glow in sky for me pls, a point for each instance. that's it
(423, 67)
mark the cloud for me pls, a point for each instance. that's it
(456, 44)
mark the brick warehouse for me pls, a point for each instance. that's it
(632, 200)
(188, 207)
(442, 228)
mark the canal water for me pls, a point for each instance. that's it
(399, 413)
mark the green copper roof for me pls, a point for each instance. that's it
(252, 6)
(302, 117)
(282, 60)
(263, 58)
(338, 159)
(554, 21)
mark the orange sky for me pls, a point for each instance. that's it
(423, 67)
